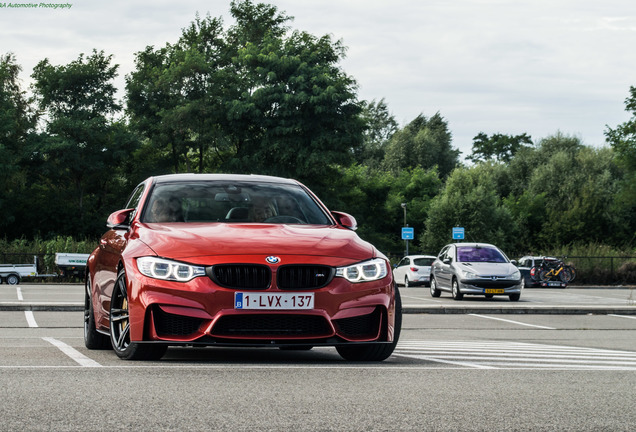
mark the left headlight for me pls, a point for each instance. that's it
(160, 268)
(366, 271)
(515, 275)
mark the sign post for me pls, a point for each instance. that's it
(408, 233)
(458, 233)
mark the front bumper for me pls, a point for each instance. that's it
(494, 287)
(200, 312)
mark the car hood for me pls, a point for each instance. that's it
(488, 269)
(183, 241)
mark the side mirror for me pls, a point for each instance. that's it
(514, 262)
(446, 261)
(119, 219)
(346, 220)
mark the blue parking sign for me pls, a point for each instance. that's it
(458, 233)
(408, 233)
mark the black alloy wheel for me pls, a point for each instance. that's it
(120, 327)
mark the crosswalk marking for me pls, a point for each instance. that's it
(511, 355)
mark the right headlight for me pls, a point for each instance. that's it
(365, 271)
(164, 269)
(465, 274)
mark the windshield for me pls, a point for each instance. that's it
(219, 201)
(479, 254)
(425, 262)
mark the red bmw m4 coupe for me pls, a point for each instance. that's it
(236, 260)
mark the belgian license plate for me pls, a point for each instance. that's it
(275, 301)
(493, 291)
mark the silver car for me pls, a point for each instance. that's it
(476, 269)
(413, 270)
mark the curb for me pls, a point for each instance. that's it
(522, 310)
(41, 307)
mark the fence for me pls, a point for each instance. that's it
(603, 270)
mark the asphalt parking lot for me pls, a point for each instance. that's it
(571, 300)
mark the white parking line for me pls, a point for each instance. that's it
(513, 322)
(438, 360)
(19, 292)
(622, 316)
(30, 319)
(73, 353)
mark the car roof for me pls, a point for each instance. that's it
(535, 257)
(474, 245)
(253, 178)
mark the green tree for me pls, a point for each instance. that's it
(380, 127)
(16, 123)
(176, 97)
(424, 143)
(469, 199)
(497, 147)
(82, 145)
(301, 113)
(623, 141)
(375, 198)
(250, 99)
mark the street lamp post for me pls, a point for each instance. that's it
(406, 225)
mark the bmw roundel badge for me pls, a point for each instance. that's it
(272, 259)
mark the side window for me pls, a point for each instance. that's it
(442, 254)
(133, 202)
(405, 261)
(450, 253)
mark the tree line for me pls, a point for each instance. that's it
(259, 97)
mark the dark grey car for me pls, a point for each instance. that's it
(475, 269)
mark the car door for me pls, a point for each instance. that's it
(441, 268)
(400, 270)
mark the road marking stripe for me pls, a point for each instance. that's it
(513, 322)
(75, 355)
(622, 316)
(30, 319)
(439, 360)
(511, 355)
(19, 292)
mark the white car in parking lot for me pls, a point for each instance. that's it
(413, 270)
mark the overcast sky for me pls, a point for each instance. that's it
(493, 66)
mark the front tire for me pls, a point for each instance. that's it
(379, 351)
(120, 327)
(13, 279)
(434, 291)
(457, 295)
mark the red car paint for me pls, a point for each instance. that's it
(345, 314)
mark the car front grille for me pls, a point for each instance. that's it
(293, 277)
(241, 276)
(259, 277)
(362, 326)
(271, 325)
